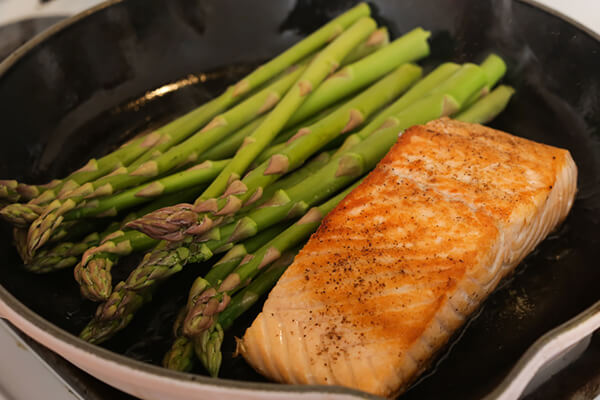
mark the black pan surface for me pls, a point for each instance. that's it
(133, 65)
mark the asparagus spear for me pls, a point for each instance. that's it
(325, 62)
(93, 271)
(111, 205)
(378, 40)
(189, 123)
(307, 141)
(444, 78)
(409, 47)
(227, 148)
(494, 68)
(180, 357)
(486, 108)
(115, 314)
(211, 296)
(65, 254)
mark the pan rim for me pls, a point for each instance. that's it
(24, 312)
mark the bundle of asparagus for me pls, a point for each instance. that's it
(269, 159)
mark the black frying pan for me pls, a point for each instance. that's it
(82, 89)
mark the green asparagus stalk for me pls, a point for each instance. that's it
(65, 254)
(488, 107)
(209, 298)
(407, 48)
(378, 40)
(446, 77)
(227, 148)
(307, 141)
(494, 68)
(275, 66)
(180, 356)
(191, 122)
(325, 62)
(115, 314)
(111, 205)
(68, 254)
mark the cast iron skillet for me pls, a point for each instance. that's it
(89, 84)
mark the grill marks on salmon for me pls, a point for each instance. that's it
(404, 259)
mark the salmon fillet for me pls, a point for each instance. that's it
(402, 261)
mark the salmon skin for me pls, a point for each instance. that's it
(397, 267)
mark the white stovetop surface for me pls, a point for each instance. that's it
(23, 375)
